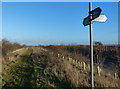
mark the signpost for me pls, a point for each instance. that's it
(101, 18)
(95, 13)
(91, 47)
(94, 16)
(86, 21)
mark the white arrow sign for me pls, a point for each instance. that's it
(101, 18)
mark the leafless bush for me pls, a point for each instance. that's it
(8, 46)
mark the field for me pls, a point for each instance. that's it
(63, 66)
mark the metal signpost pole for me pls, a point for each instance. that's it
(94, 16)
(91, 48)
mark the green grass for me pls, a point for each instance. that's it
(19, 72)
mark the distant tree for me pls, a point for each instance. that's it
(97, 43)
(40, 45)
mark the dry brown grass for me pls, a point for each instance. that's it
(67, 72)
(78, 77)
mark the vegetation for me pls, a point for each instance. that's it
(41, 67)
(7, 47)
(19, 72)
(97, 43)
